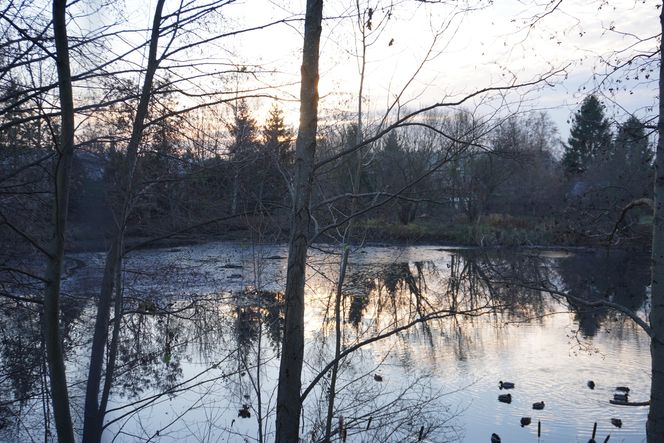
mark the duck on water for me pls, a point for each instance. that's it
(538, 405)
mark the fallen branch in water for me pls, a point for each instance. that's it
(629, 403)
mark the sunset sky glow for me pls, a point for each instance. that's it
(479, 44)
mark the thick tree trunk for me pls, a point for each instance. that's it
(655, 424)
(51, 317)
(290, 369)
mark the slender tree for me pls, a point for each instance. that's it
(51, 317)
(290, 369)
(95, 407)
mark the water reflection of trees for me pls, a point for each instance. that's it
(461, 283)
(497, 286)
(255, 310)
(157, 337)
(500, 286)
(155, 341)
(149, 357)
(23, 392)
(411, 302)
(20, 354)
(259, 315)
(603, 276)
(160, 335)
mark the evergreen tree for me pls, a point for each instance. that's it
(631, 145)
(590, 137)
(275, 159)
(632, 159)
(277, 136)
(244, 132)
(243, 152)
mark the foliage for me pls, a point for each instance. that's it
(590, 137)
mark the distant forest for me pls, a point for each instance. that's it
(204, 175)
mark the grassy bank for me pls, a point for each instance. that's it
(492, 230)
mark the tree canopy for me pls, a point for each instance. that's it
(590, 137)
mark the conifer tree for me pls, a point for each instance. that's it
(632, 159)
(590, 137)
(242, 150)
(244, 132)
(277, 136)
(631, 144)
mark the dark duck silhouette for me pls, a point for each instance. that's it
(538, 405)
(505, 398)
(505, 385)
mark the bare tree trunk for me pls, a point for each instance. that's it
(94, 414)
(115, 339)
(337, 341)
(348, 236)
(51, 317)
(290, 369)
(93, 418)
(236, 185)
(259, 394)
(655, 423)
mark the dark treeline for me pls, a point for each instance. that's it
(511, 181)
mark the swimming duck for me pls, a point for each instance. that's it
(538, 405)
(495, 438)
(505, 398)
(378, 377)
(591, 384)
(525, 421)
(505, 385)
(616, 422)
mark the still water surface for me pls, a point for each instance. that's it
(202, 324)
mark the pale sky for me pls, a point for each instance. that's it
(489, 46)
(494, 44)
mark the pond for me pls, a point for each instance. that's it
(199, 349)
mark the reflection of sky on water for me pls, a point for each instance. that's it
(545, 354)
(548, 357)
